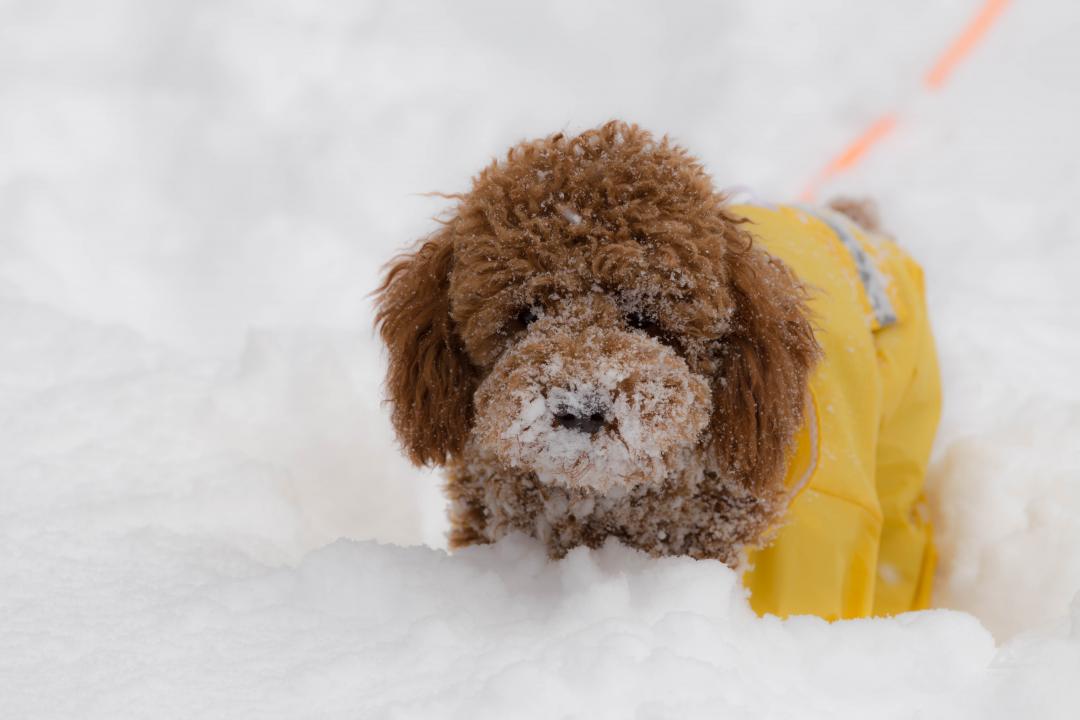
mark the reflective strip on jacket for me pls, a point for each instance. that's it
(856, 540)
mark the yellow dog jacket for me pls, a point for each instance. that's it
(856, 540)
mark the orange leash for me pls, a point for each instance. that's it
(851, 154)
(964, 43)
(935, 79)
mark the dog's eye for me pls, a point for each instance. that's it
(525, 317)
(647, 325)
(643, 322)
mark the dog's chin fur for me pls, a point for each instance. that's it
(599, 276)
(696, 509)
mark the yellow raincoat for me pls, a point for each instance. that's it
(856, 540)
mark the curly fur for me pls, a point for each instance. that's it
(600, 274)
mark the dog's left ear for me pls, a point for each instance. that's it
(430, 380)
(765, 363)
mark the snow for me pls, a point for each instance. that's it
(197, 474)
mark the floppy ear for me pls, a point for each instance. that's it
(430, 381)
(765, 364)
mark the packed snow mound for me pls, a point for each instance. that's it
(1007, 523)
(155, 623)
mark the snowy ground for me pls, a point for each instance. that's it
(195, 199)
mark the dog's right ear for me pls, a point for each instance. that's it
(430, 380)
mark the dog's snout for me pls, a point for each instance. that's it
(589, 424)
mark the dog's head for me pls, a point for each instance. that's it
(591, 313)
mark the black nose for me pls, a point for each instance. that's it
(590, 424)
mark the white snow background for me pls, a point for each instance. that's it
(203, 507)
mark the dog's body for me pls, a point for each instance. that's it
(598, 345)
(855, 539)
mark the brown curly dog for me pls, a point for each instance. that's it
(593, 346)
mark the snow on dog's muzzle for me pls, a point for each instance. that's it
(591, 407)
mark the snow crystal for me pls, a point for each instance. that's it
(571, 215)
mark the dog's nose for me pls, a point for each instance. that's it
(590, 424)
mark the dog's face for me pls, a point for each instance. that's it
(593, 315)
(586, 396)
